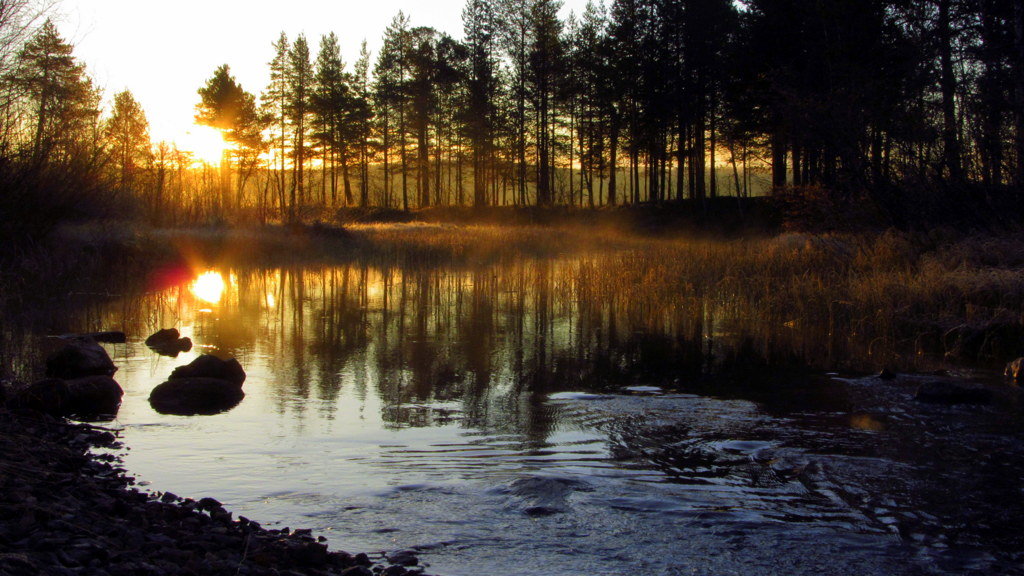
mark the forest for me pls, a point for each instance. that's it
(910, 107)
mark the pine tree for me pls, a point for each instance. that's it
(63, 105)
(127, 135)
(274, 106)
(479, 23)
(330, 103)
(361, 115)
(226, 106)
(545, 68)
(300, 84)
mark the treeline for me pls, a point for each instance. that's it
(889, 101)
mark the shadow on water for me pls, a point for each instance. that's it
(594, 425)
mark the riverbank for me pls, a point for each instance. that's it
(65, 510)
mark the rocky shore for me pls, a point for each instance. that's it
(65, 510)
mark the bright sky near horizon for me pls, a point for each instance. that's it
(164, 51)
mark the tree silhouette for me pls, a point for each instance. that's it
(127, 134)
(63, 102)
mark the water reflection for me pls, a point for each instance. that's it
(208, 287)
(496, 339)
(416, 406)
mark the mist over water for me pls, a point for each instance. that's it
(522, 418)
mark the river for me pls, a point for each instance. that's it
(507, 419)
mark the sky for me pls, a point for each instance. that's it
(165, 51)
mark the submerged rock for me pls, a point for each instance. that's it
(1015, 371)
(163, 337)
(545, 495)
(208, 366)
(192, 396)
(78, 359)
(949, 393)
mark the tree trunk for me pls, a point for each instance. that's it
(612, 160)
(346, 183)
(1018, 66)
(713, 180)
(778, 159)
(700, 164)
(947, 83)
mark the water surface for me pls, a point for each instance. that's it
(509, 419)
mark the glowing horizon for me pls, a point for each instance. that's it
(163, 53)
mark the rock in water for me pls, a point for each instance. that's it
(208, 366)
(172, 349)
(949, 393)
(886, 374)
(163, 337)
(1015, 371)
(94, 396)
(78, 359)
(191, 396)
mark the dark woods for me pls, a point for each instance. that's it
(894, 111)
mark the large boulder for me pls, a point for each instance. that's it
(190, 396)
(949, 393)
(208, 366)
(50, 396)
(90, 396)
(79, 358)
(163, 337)
(1015, 371)
(93, 396)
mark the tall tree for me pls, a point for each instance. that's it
(61, 97)
(330, 102)
(300, 87)
(127, 134)
(515, 36)
(392, 91)
(479, 20)
(361, 115)
(423, 68)
(545, 66)
(226, 106)
(274, 104)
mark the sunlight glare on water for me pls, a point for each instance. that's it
(208, 287)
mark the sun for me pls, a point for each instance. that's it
(205, 143)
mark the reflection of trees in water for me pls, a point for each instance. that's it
(496, 339)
